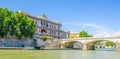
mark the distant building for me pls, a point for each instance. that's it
(44, 26)
(74, 35)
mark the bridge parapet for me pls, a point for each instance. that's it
(90, 38)
(91, 41)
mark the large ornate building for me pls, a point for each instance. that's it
(44, 26)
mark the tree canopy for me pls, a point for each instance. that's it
(110, 43)
(83, 33)
(15, 24)
(44, 38)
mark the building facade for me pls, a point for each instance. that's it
(46, 27)
(74, 35)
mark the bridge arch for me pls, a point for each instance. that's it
(91, 44)
(88, 43)
(73, 44)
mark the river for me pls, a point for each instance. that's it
(58, 54)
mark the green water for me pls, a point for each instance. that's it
(58, 54)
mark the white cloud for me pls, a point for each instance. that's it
(101, 30)
(96, 26)
(105, 34)
(102, 34)
(116, 34)
(76, 25)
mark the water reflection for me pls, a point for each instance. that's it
(75, 54)
(58, 54)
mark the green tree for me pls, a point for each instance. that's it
(89, 36)
(84, 34)
(31, 28)
(109, 43)
(98, 43)
(15, 24)
(44, 38)
(12, 25)
(22, 26)
(5, 17)
(25, 26)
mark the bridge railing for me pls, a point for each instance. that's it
(90, 38)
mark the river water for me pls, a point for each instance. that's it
(58, 54)
(78, 54)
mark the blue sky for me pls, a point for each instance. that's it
(94, 16)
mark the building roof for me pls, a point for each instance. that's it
(43, 17)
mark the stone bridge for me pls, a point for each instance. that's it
(88, 43)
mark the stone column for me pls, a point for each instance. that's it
(117, 46)
(61, 46)
(84, 47)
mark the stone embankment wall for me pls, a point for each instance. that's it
(9, 42)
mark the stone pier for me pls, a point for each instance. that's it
(117, 46)
(84, 47)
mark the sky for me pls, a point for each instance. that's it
(97, 17)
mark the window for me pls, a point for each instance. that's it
(36, 22)
(39, 30)
(47, 25)
(41, 23)
(44, 23)
(43, 31)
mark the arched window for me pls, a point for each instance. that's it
(43, 31)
